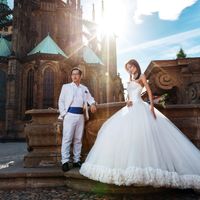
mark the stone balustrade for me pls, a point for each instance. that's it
(44, 131)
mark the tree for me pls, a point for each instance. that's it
(5, 14)
(181, 54)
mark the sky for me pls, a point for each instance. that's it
(149, 30)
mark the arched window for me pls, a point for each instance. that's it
(48, 88)
(29, 89)
(2, 95)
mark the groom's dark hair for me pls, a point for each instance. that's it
(76, 68)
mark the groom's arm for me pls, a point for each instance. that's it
(91, 101)
(61, 102)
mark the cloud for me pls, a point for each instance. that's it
(194, 50)
(176, 39)
(166, 9)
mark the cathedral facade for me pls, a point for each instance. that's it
(37, 55)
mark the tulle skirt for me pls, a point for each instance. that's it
(134, 148)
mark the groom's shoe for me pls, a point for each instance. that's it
(77, 164)
(65, 167)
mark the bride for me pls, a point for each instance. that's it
(139, 145)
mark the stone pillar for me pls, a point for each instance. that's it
(44, 135)
(11, 104)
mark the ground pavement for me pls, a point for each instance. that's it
(13, 153)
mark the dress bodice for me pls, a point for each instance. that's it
(134, 91)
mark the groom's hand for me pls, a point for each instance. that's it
(129, 103)
(93, 108)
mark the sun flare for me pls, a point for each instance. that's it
(113, 19)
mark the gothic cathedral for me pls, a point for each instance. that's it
(40, 42)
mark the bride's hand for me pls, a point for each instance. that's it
(153, 112)
(129, 103)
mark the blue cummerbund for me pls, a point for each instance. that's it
(75, 110)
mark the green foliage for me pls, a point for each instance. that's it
(162, 100)
(181, 54)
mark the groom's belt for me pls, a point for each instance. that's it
(75, 110)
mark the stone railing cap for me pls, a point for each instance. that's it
(42, 111)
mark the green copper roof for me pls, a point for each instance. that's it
(4, 2)
(90, 57)
(48, 46)
(5, 47)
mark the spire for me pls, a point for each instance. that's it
(102, 8)
(79, 4)
(93, 13)
(73, 3)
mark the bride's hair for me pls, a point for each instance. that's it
(136, 64)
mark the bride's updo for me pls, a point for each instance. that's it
(136, 64)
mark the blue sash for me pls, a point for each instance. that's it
(75, 110)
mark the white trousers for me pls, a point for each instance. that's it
(73, 126)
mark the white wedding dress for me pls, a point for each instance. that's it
(134, 148)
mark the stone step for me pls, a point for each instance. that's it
(76, 181)
(17, 177)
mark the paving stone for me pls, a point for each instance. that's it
(63, 193)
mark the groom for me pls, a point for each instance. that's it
(73, 98)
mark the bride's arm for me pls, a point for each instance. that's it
(146, 85)
(128, 102)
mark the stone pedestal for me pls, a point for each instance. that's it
(44, 137)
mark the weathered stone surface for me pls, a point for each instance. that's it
(78, 182)
(16, 177)
(44, 137)
(186, 118)
(180, 78)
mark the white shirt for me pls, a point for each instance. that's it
(78, 96)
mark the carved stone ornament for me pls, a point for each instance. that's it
(164, 81)
(194, 92)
